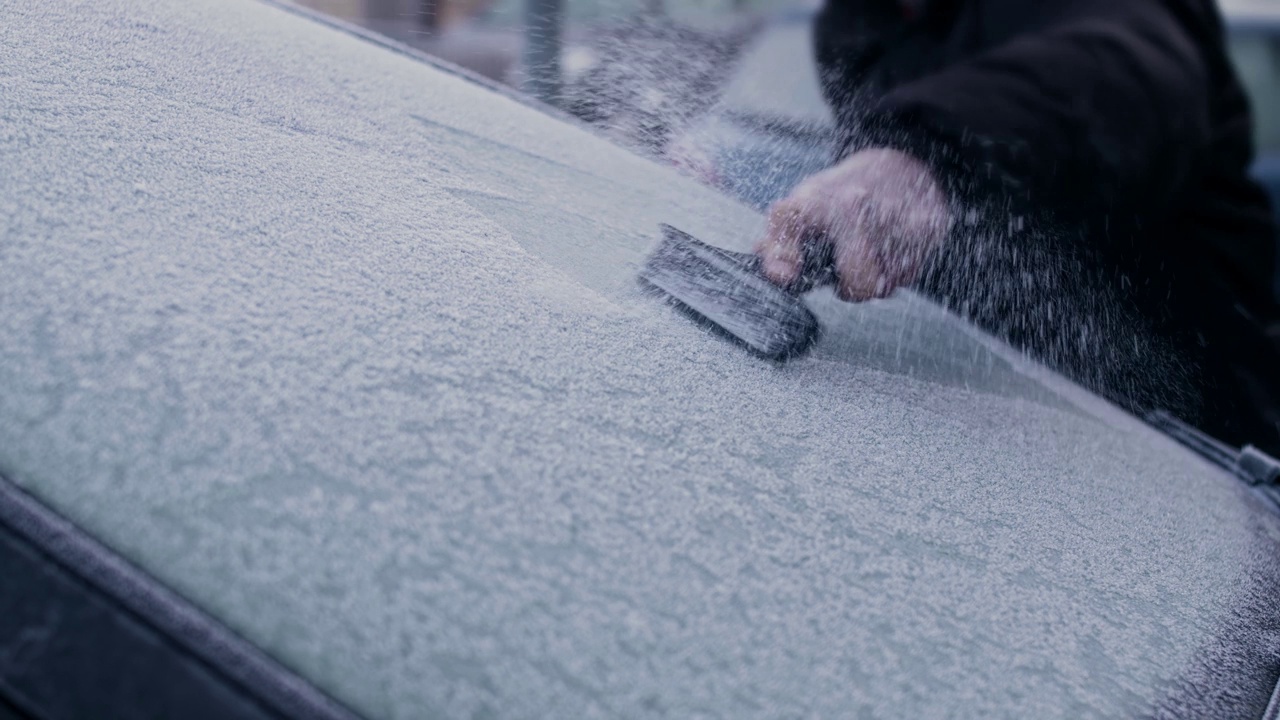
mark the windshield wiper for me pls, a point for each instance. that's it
(1248, 463)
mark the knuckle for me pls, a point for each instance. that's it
(850, 294)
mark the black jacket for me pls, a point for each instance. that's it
(1096, 154)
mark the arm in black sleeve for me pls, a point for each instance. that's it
(850, 37)
(1103, 106)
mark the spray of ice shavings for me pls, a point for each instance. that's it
(1009, 266)
(650, 77)
(1029, 282)
(1014, 273)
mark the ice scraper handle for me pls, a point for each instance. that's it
(818, 267)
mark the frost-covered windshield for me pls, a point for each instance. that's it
(349, 351)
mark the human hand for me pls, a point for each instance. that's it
(882, 212)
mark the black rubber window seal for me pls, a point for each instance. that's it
(168, 644)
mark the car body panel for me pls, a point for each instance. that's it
(1248, 13)
(85, 634)
(1254, 45)
(348, 352)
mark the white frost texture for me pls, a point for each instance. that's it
(349, 351)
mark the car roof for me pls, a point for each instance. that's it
(347, 350)
(1250, 12)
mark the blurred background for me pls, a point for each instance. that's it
(724, 89)
(643, 70)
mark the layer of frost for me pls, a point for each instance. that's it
(350, 353)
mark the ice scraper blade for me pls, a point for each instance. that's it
(727, 291)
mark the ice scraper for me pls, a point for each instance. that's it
(727, 291)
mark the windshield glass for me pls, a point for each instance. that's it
(350, 352)
(1257, 59)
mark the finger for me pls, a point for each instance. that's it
(782, 249)
(858, 264)
(899, 261)
(905, 253)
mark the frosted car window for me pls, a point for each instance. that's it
(298, 353)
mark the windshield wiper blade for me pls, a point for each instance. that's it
(1248, 463)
